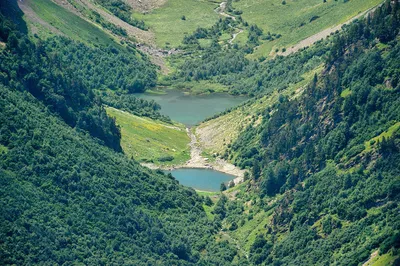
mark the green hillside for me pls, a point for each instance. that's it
(297, 20)
(148, 140)
(70, 24)
(318, 140)
(67, 198)
(324, 187)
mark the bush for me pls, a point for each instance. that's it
(167, 158)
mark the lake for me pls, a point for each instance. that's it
(192, 109)
(201, 179)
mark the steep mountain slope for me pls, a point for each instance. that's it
(65, 196)
(325, 169)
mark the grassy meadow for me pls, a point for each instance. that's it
(147, 140)
(297, 19)
(167, 23)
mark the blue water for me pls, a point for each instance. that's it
(192, 109)
(201, 179)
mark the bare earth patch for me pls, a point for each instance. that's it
(145, 5)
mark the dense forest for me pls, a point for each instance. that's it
(67, 198)
(65, 75)
(333, 154)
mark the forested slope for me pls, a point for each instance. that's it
(71, 197)
(325, 166)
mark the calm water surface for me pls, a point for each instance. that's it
(192, 109)
(201, 179)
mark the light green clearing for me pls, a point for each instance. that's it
(3, 149)
(208, 210)
(70, 24)
(345, 93)
(208, 193)
(168, 26)
(387, 134)
(273, 16)
(148, 140)
(247, 234)
(382, 260)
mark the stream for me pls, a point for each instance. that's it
(198, 172)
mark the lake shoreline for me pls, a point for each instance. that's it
(197, 161)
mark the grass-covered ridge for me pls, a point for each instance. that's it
(148, 140)
(70, 24)
(297, 20)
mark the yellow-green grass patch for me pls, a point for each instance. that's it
(208, 210)
(3, 149)
(345, 93)
(382, 260)
(70, 24)
(148, 140)
(387, 134)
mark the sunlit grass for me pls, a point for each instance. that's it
(148, 140)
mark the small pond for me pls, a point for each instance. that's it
(192, 109)
(201, 179)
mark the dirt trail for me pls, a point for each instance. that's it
(234, 36)
(321, 35)
(145, 6)
(221, 11)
